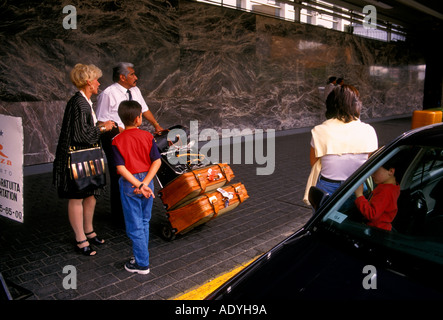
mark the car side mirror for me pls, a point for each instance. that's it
(317, 197)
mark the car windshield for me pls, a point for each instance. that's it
(417, 228)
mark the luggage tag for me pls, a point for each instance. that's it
(213, 199)
(212, 176)
(226, 196)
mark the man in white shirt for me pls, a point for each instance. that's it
(123, 88)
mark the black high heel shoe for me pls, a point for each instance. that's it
(87, 250)
(95, 240)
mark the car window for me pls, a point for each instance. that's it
(417, 228)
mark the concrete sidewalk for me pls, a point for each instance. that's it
(33, 254)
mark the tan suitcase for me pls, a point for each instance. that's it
(191, 184)
(204, 208)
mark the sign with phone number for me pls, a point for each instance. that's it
(9, 212)
(11, 167)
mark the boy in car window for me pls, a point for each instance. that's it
(380, 208)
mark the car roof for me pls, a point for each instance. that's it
(431, 135)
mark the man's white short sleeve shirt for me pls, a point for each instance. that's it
(109, 100)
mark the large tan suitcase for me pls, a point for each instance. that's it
(204, 208)
(191, 184)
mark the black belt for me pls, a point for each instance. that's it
(330, 180)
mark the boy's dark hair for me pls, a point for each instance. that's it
(396, 164)
(128, 110)
(390, 164)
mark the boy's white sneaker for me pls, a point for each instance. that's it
(133, 267)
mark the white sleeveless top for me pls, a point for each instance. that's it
(340, 167)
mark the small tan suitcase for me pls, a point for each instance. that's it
(191, 184)
(206, 207)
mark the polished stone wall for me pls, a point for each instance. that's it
(225, 68)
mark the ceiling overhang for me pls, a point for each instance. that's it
(412, 15)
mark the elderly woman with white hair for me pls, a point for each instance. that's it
(79, 129)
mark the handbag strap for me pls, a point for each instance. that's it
(77, 148)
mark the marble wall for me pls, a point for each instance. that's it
(225, 68)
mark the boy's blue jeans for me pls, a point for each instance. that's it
(137, 211)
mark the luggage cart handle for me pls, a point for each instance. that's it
(158, 180)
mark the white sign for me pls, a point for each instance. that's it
(11, 167)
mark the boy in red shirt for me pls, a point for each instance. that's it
(381, 208)
(137, 160)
